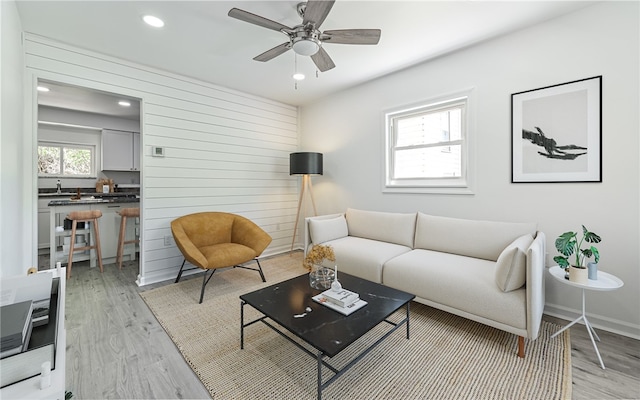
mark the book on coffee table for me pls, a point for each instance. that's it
(341, 297)
(358, 304)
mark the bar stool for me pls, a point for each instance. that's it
(84, 216)
(125, 213)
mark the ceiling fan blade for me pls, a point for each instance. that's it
(256, 20)
(322, 60)
(352, 36)
(316, 11)
(273, 53)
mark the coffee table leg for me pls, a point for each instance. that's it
(242, 303)
(319, 375)
(408, 319)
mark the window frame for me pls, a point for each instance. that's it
(69, 145)
(437, 185)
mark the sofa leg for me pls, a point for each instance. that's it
(521, 346)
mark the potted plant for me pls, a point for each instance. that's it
(320, 277)
(568, 245)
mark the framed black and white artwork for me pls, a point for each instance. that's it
(556, 133)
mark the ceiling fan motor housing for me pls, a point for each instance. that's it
(305, 42)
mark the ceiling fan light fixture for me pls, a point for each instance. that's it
(306, 47)
(298, 76)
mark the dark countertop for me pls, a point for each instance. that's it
(96, 200)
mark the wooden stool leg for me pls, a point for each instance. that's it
(97, 234)
(71, 245)
(123, 226)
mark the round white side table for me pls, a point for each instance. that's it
(604, 282)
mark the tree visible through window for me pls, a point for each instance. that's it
(427, 145)
(62, 160)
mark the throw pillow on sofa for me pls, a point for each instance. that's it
(324, 230)
(511, 267)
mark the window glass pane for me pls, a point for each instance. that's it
(429, 128)
(77, 161)
(429, 162)
(49, 160)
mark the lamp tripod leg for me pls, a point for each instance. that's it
(313, 202)
(295, 227)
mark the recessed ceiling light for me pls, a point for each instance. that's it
(124, 103)
(43, 89)
(153, 21)
(298, 76)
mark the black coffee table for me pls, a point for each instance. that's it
(326, 330)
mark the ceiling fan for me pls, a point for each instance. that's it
(306, 39)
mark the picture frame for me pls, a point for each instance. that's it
(556, 133)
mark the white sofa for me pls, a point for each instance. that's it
(489, 272)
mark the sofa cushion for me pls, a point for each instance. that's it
(398, 228)
(511, 267)
(460, 283)
(323, 230)
(363, 258)
(480, 239)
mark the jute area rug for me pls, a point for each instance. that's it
(447, 357)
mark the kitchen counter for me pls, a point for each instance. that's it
(94, 200)
(108, 224)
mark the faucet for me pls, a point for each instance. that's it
(59, 186)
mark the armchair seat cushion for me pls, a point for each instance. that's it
(227, 255)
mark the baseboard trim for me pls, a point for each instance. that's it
(598, 321)
(171, 273)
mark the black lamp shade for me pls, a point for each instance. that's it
(305, 163)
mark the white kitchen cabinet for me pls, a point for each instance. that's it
(44, 223)
(120, 150)
(44, 227)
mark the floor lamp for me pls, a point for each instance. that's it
(305, 164)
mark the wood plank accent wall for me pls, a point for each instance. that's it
(224, 150)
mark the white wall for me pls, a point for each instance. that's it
(224, 150)
(602, 39)
(12, 212)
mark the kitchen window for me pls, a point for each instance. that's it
(428, 148)
(66, 160)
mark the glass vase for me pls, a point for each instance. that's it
(321, 277)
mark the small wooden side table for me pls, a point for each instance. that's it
(605, 282)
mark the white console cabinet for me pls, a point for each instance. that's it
(30, 388)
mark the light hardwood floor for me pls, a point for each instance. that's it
(116, 349)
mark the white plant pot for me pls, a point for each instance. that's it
(578, 275)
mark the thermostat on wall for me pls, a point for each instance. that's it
(157, 151)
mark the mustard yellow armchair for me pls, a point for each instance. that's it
(212, 240)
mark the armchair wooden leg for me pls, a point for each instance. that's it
(521, 346)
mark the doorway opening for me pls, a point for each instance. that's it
(88, 155)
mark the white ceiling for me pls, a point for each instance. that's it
(85, 100)
(199, 40)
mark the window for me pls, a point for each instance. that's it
(65, 160)
(427, 147)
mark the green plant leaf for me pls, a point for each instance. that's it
(562, 261)
(596, 254)
(591, 237)
(566, 243)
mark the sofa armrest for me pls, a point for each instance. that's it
(307, 235)
(535, 284)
